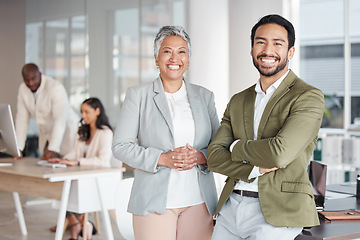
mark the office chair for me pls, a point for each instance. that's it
(123, 218)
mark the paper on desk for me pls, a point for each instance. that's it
(336, 195)
(5, 164)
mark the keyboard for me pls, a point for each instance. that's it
(45, 163)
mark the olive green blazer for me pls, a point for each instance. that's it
(287, 136)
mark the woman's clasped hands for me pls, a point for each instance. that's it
(182, 158)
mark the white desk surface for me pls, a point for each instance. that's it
(26, 177)
(28, 167)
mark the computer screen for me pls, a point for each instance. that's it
(317, 176)
(8, 142)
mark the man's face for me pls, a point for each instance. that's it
(270, 51)
(32, 79)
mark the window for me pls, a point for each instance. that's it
(323, 61)
(133, 40)
(121, 53)
(58, 47)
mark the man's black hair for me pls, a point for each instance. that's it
(279, 20)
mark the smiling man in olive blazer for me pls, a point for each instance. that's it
(264, 145)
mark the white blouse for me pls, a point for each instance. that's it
(183, 189)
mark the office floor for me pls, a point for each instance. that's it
(39, 216)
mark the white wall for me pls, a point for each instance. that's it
(243, 16)
(12, 49)
(98, 56)
(209, 32)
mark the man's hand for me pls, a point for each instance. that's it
(47, 155)
(18, 158)
(266, 170)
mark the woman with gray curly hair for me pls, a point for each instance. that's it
(163, 132)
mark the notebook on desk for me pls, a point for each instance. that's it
(45, 163)
(340, 215)
(317, 176)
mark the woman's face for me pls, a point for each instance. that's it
(173, 58)
(89, 114)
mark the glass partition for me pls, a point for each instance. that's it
(323, 57)
(122, 54)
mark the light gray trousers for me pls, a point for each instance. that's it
(241, 218)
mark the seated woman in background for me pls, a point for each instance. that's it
(92, 148)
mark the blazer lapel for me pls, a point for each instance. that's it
(283, 88)
(248, 113)
(195, 109)
(161, 103)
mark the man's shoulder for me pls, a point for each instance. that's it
(50, 81)
(51, 85)
(242, 94)
(23, 87)
(296, 82)
(301, 85)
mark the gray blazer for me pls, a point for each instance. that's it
(145, 130)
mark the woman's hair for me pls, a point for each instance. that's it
(279, 20)
(170, 31)
(102, 119)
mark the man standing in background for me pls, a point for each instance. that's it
(46, 100)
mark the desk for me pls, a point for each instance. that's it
(25, 177)
(335, 230)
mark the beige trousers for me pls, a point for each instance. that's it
(189, 223)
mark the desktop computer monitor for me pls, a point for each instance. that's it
(8, 142)
(317, 176)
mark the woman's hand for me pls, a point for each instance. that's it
(63, 161)
(182, 158)
(54, 160)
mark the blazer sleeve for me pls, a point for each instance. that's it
(22, 118)
(219, 157)
(299, 129)
(214, 119)
(60, 108)
(124, 146)
(214, 122)
(73, 154)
